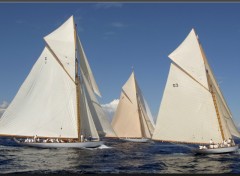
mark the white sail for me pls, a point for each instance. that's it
(51, 102)
(45, 104)
(193, 109)
(187, 113)
(87, 127)
(126, 122)
(62, 43)
(226, 114)
(131, 118)
(103, 126)
(85, 67)
(146, 115)
(149, 114)
(228, 125)
(188, 57)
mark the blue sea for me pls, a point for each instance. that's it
(114, 157)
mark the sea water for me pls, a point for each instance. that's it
(114, 156)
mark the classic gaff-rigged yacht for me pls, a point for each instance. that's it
(56, 102)
(133, 120)
(193, 109)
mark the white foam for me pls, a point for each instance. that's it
(104, 147)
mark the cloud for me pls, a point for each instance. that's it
(118, 25)
(3, 107)
(107, 5)
(110, 108)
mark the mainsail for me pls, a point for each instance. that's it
(52, 101)
(193, 109)
(132, 117)
(45, 103)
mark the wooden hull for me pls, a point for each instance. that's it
(140, 140)
(91, 144)
(217, 150)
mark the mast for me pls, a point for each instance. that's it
(77, 82)
(140, 118)
(144, 116)
(212, 92)
(139, 110)
(217, 111)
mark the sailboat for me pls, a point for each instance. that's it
(133, 120)
(56, 106)
(193, 109)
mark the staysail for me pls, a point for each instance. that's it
(85, 67)
(193, 109)
(103, 126)
(88, 127)
(131, 117)
(145, 112)
(225, 111)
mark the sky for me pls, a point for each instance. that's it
(121, 37)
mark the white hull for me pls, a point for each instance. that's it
(217, 150)
(135, 139)
(92, 144)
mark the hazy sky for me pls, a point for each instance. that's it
(117, 36)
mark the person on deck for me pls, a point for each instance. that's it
(225, 143)
(89, 137)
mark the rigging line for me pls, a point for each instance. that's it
(212, 91)
(190, 75)
(216, 107)
(126, 96)
(143, 112)
(215, 93)
(141, 122)
(218, 87)
(92, 82)
(139, 110)
(88, 73)
(225, 118)
(148, 122)
(224, 107)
